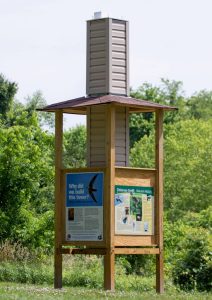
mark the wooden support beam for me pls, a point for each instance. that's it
(109, 258)
(58, 200)
(136, 250)
(89, 251)
(159, 199)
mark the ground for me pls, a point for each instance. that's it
(26, 291)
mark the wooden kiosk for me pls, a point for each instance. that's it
(107, 114)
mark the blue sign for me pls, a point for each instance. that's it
(84, 189)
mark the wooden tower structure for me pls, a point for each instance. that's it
(125, 229)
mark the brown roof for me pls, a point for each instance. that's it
(78, 105)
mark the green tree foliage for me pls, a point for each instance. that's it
(26, 181)
(37, 100)
(188, 257)
(7, 92)
(168, 93)
(193, 267)
(188, 165)
(75, 147)
(200, 105)
(26, 171)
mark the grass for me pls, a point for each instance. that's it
(28, 292)
(24, 276)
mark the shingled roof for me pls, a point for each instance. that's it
(79, 105)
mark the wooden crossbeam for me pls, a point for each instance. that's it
(136, 250)
(102, 251)
(89, 251)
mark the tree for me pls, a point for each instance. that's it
(187, 165)
(200, 105)
(7, 93)
(37, 100)
(168, 93)
(75, 147)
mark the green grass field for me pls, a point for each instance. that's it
(28, 292)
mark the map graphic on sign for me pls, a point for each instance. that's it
(84, 206)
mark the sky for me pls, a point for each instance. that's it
(43, 44)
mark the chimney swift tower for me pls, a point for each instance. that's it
(107, 57)
(107, 74)
(108, 208)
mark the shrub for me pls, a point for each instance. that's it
(193, 268)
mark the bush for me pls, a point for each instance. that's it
(193, 268)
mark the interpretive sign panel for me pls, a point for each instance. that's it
(84, 206)
(134, 210)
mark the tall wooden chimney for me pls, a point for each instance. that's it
(107, 57)
(107, 74)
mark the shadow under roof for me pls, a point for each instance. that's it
(79, 105)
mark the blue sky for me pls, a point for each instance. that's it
(43, 43)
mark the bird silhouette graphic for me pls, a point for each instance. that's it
(91, 188)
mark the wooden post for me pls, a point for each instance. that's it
(109, 258)
(159, 199)
(58, 200)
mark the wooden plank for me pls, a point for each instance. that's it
(97, 163)
(97, 33)
(120, 157)
(97, 157)
(97, 116)
(101, 68)
(136, 240)
(159, 199)
(119, 55)
(98, 54)
(117, 90)
(97, 25)
(93, 244)
(98, 140)
(98, 108)
(136, 251)
(119, 48)
(97, 61)
(98, 151)
(98, 82)
(121, 150)
(120, 130)
(88, 128)
(58, 200)
(119, 34)
(127, 137)
(97, 75)
(121, 70)
(151, 170)
(118, 41)
(109, 258)
(120, 27)
(97, 40)
(134, 177)
(83, 170)
(119, 62)
(89, 251)
(63, 195)
(95, 48)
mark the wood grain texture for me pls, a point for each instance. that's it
(129, 240)
(159, 199)
(135, 177)
(88, 251)
(130, 251)
(58, 200)
(109, 258)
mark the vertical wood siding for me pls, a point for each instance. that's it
(107, 57)
(97, 136)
